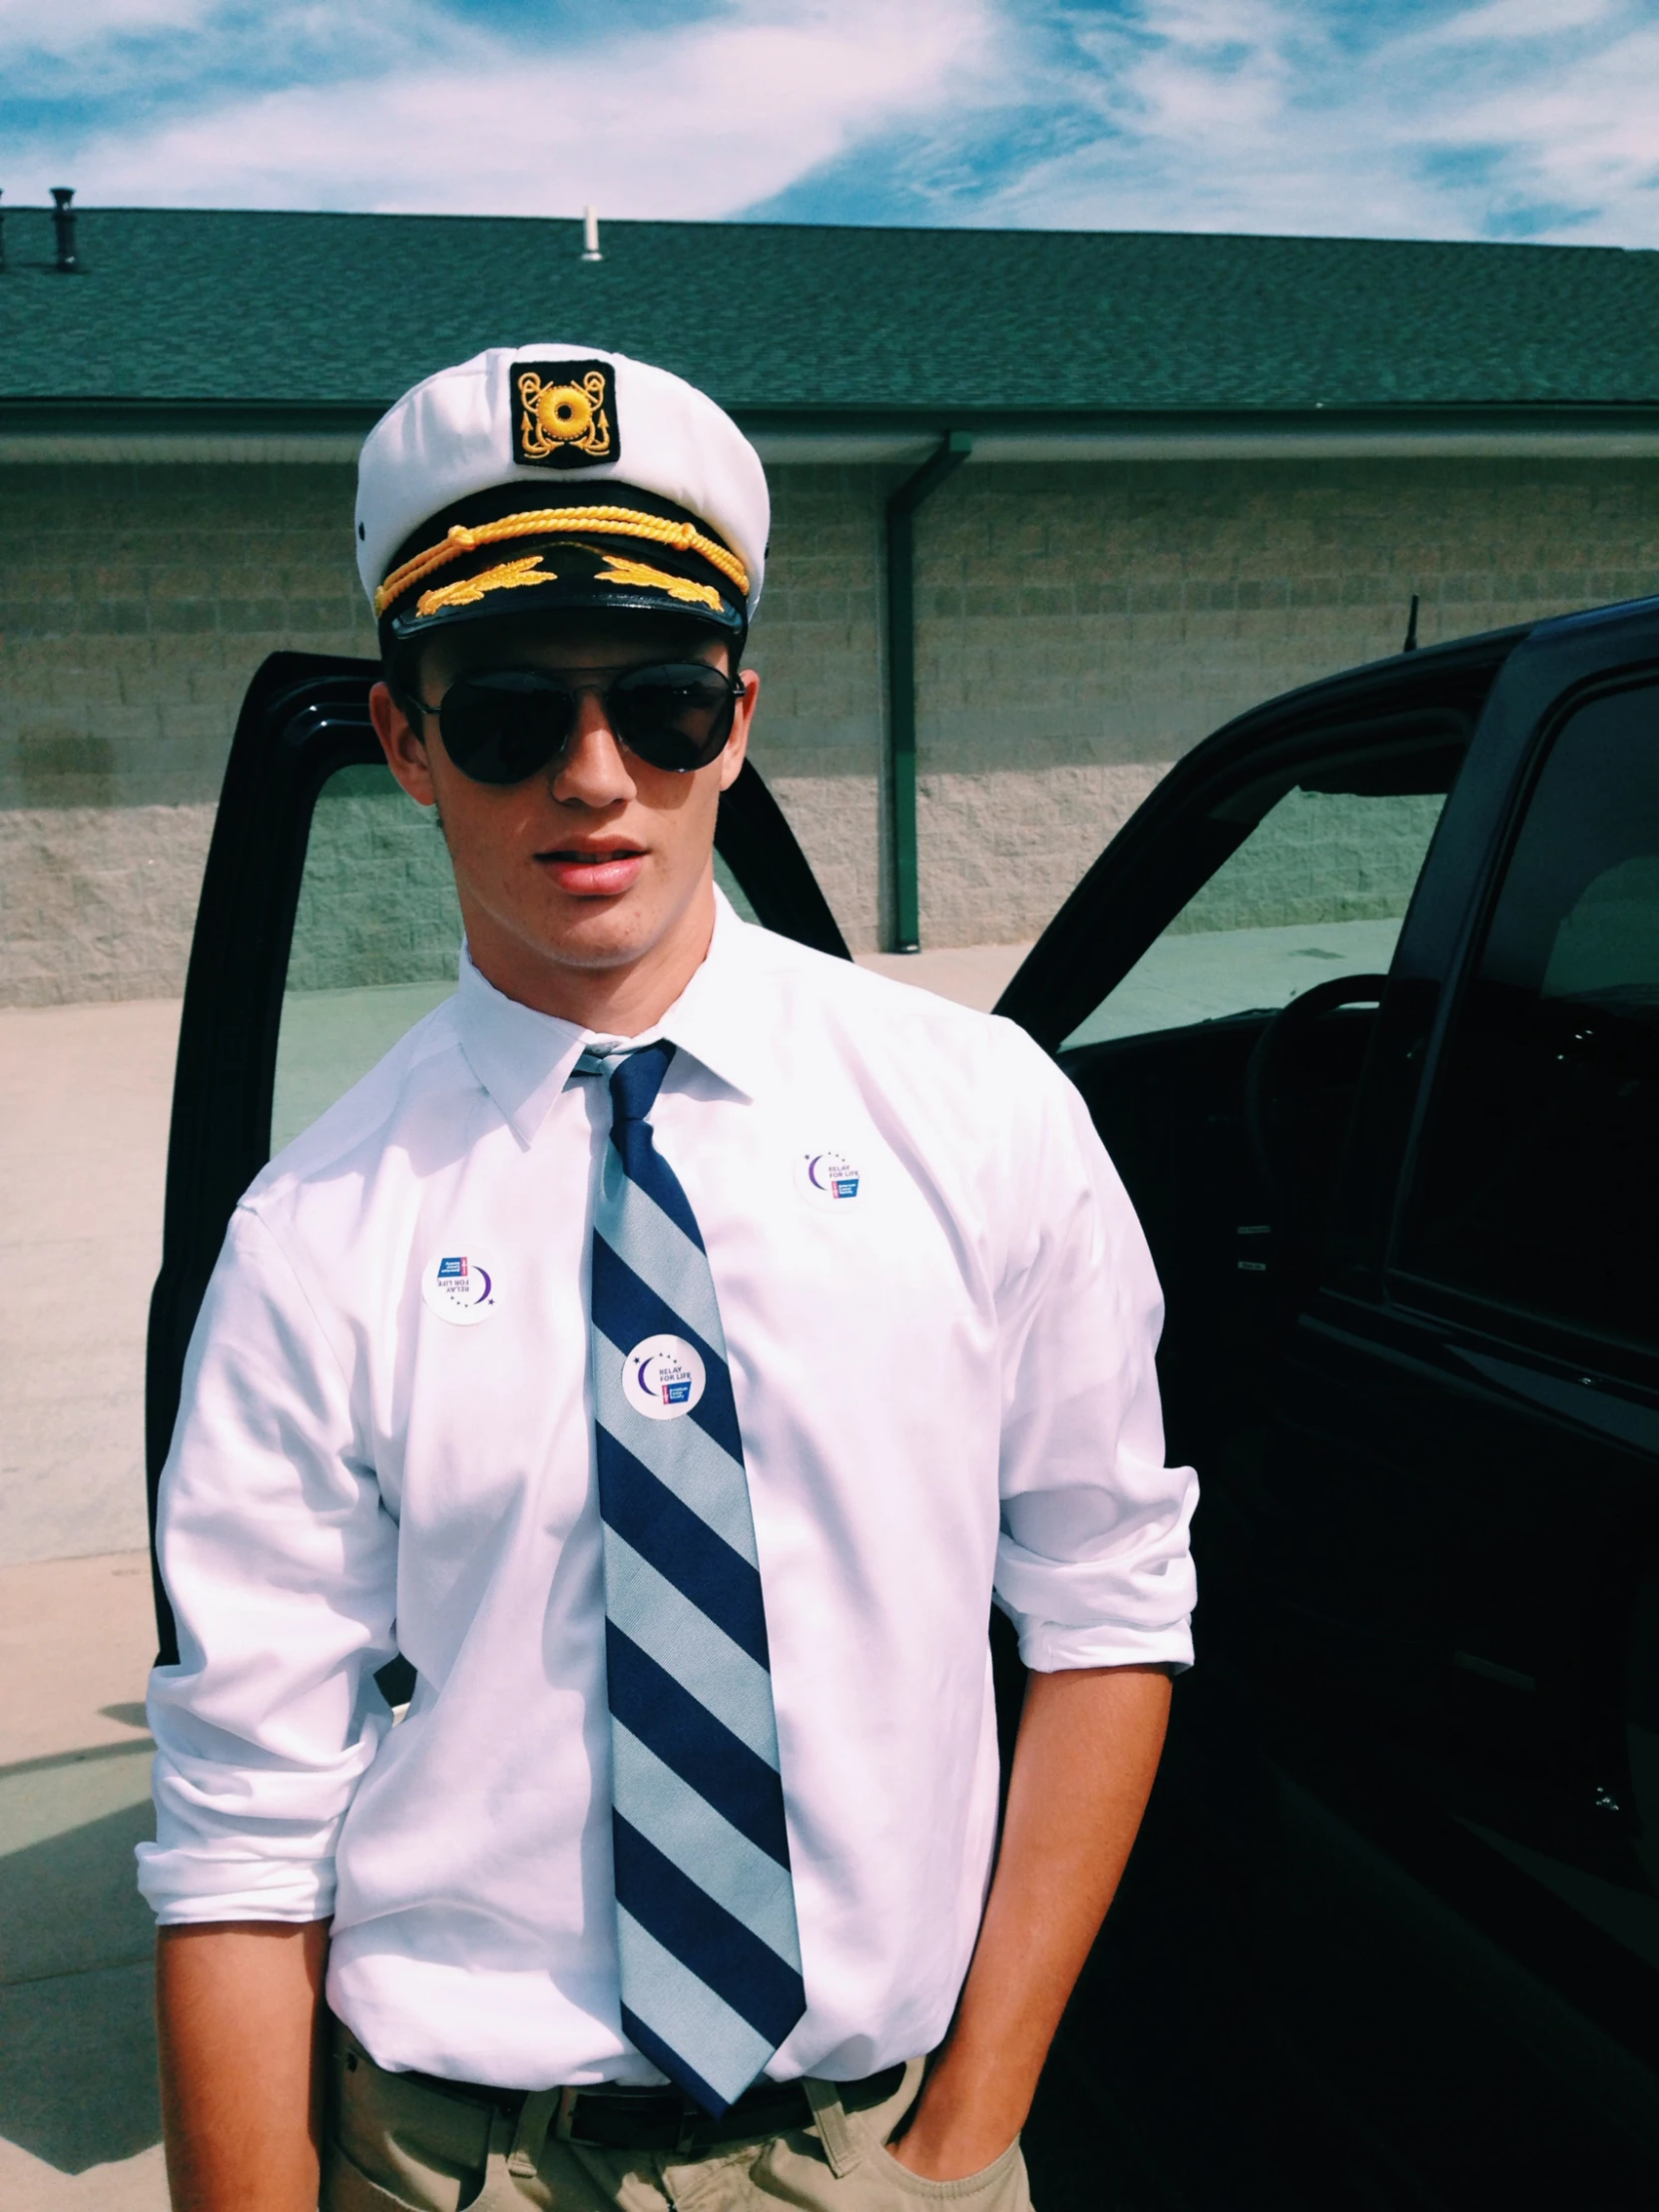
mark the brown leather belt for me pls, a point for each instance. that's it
(611, 2119)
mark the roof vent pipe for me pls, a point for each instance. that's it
(63, 222)
(589, 236)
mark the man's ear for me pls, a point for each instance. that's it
(402, 746)
(737, 745)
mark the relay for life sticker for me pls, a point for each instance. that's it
(827, 1177)
(663, 1378)
(458, 1288)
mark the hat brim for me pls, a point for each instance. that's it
(561, 577)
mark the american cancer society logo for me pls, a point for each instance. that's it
(826, 1176)
(457, 1287)
(663, 1378)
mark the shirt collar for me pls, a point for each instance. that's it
(524, 1059)
(714, 1019)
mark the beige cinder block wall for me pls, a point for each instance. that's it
(135, 603)
(818, 645)
(1078, 628)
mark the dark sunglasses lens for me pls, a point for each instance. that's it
(676, 716)
(503, 726)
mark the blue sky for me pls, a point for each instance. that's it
(1505, 119)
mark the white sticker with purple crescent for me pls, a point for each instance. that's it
(663, 1378)
(827, 1177)
(458, 1288)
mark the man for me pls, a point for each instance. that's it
(669, 1348)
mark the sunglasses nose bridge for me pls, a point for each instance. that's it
(581, 716)
(577, 759)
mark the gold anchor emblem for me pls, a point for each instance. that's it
(561, 418)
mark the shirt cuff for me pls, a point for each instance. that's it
(187, 1886)
(1047, 1650)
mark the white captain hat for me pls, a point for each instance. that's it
(552, 477)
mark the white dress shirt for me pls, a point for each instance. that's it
(941, 1318)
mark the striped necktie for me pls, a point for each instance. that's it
(709, 1957)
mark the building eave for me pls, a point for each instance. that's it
(152, 431)
(1001, 436)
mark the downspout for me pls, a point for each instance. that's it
(901, 679)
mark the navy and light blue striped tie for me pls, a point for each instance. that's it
(710, 1956)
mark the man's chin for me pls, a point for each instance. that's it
(602, 932)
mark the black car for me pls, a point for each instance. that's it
(1365, 1003)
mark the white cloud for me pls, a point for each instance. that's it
(28, 27)
(1505, 20)
(1257, 118)
(700, 121)
(1573, 138)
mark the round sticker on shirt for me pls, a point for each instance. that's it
(663, 1378)
(827, 1177)
(458, 1286)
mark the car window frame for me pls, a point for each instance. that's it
(1426, 731)
(1129, 895)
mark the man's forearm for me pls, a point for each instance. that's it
(1087, 1751)
(239, 2009)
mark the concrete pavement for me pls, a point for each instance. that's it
(84, 1093)
(79, 2121)
(972, 974)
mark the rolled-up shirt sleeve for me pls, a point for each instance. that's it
(1093, 1562)
(279, 1560)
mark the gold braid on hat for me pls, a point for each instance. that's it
(621, 522)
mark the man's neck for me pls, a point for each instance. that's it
(617, 1001)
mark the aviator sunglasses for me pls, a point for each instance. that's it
(502, 725)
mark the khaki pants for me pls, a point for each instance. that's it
(396, 2146)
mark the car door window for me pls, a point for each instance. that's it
(376, 940)
(1319, 888)
(1537, 1184)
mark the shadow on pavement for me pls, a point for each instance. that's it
(134, 1715)
(78, 2087)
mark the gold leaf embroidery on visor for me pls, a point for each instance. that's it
(620, 571)
(620, 522)
(508, 577)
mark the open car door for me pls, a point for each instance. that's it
(328, 925)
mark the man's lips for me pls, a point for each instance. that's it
(596, 874)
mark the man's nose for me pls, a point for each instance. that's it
(591, 770)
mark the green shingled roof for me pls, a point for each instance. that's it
(244, 312)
